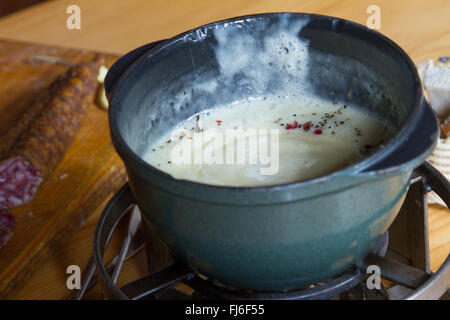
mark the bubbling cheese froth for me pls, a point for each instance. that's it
(306, 138)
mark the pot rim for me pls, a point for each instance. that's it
(356, 168)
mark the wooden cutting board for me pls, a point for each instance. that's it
(88, 174)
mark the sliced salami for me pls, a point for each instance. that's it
(7, 220)
(5, 235)
(7, 225)
(18, 182)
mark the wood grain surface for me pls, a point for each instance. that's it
(86, 176)
(419, 27)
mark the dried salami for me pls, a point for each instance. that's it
(5, 235)
(7, 220)
(36, 146)
(18, 182)
(12, 134)
(7, 225)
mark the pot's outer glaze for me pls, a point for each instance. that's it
(287, 236)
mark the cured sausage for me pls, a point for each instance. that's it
(32, 149)
(9, 137)
(7, 225)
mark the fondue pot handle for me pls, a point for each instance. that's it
(119, 67)
(412, 148)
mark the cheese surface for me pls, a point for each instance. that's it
(267, 141)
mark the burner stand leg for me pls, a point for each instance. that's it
(409, 232)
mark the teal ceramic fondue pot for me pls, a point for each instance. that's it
(278, 237)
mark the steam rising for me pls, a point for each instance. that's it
(254, 60)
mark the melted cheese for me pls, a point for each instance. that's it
(305, 138)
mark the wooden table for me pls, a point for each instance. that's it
(420, 27)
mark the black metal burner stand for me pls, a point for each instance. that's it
(405, 262)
